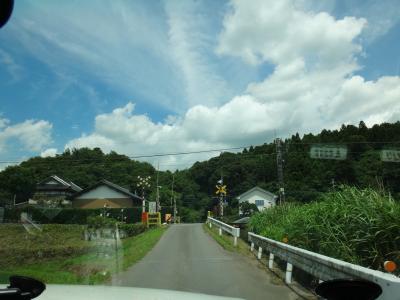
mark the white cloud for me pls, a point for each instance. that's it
(201, 128)
(381, 15)
(190, 42)
(33, 135)
(315, 56)
(158, 52)
(50, 152)
(280, 33)
(12, 67)
(312, 87)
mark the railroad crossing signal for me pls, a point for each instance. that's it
(221, 189)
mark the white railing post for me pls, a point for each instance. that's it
(271, 261)
(322, 267)
(289, 269)
(259, 253)
(234, 231)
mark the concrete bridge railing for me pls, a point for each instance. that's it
(321, 266)
(235, 232)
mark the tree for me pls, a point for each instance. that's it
(247, 209)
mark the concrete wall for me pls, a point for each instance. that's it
(102, 192)
(99, 203)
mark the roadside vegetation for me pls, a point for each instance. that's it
(360, 226)
(226, 241)
(59, 253)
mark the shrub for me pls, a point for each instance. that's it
(97, 222)
(70, 215)
(132, 229)
(358, 226)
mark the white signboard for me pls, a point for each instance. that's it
(328, 152)
(152, 207)
(390, 155)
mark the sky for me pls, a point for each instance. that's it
(145, 77)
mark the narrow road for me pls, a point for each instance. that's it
(187, 259)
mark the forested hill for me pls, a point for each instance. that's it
(304, 178)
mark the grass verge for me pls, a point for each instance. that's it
(226, 241)
(93, 267)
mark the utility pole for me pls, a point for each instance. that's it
(279, 163)
(158, 190)
(172, 189)
(175, 211)
(173, 198)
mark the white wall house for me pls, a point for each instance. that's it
(105, 193)
(260, 197)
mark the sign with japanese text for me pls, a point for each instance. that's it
(390, 155)
(152, 207)
(335, 152)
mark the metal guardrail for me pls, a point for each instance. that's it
(235, 232)
(323, 267)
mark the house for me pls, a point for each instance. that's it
(260, 197)
(105, 193)
(54, 191)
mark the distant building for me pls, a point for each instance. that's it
(54, 191)
(258, 196)
(105, 193)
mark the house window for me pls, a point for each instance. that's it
(260, 202)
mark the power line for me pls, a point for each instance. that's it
(152, 155)
(201, 151)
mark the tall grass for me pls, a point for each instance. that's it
(358, 226)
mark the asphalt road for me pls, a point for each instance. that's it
(187, 259)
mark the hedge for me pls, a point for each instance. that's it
(70, 215)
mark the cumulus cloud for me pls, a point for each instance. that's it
(315, 57)
(32, 135)
(312, 86)
(50, 152)
(279, 32)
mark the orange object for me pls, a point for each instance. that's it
(390, 266)
(145, 217)
(168, 217)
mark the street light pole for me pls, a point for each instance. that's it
(143, 182)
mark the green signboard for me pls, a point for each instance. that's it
(337, 152)
(390, 155)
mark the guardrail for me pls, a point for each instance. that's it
(235, 232)
(323, 267)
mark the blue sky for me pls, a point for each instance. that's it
(163, 76)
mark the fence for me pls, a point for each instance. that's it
(321, 266)
(235, 232)
(154, 219)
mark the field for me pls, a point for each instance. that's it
(59, 253)
(357, 226)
